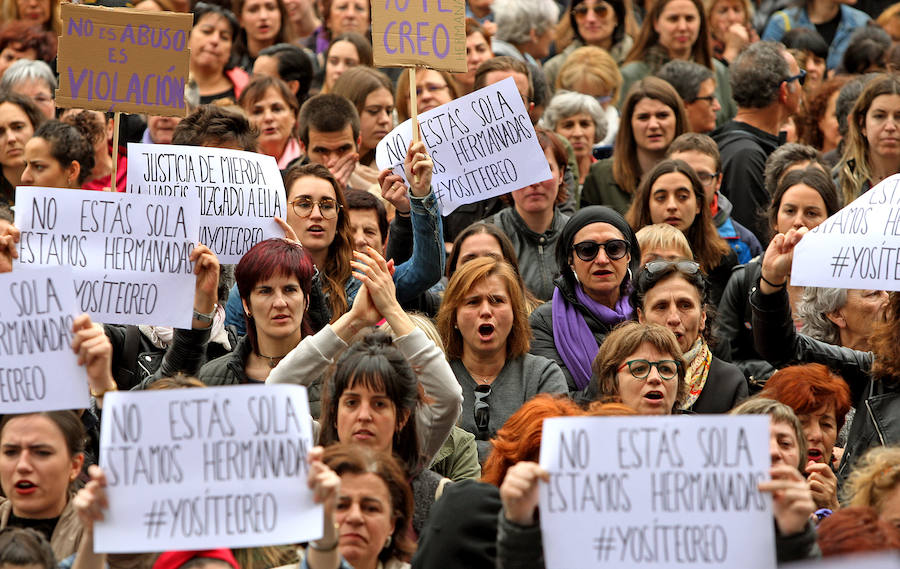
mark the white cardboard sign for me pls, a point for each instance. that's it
(483, 145)
(858, 247)
(239, 193)
(628, 492)
(206, 468)
(38, 369)
(129, 254)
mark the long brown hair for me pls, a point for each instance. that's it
(336, 272)
(648, 37)
(706, 244)
(883, 343)
(626, 169)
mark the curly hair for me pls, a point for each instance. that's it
(883, 343)
(808, 131)
(757, 74)
(520, 437)
(874, 478)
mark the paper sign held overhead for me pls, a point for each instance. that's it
(858, 247)
(420, 33)
(129, 254)
(239, 193)
(118, 59)
(206, 468)
(665, 491)
(38, 370)
(483, 145)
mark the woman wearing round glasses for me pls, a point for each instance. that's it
(596, 253)
(484, 325)
(641, 365)
(672, 193)
(674, 294)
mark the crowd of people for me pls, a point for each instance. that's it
(691, 146)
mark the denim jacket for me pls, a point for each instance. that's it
(413, 277)
(797, 17)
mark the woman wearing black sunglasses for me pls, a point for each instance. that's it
(597, 253)
(484, 325)
(674, 294)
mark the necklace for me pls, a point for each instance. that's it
(482, 379)
(273, 360)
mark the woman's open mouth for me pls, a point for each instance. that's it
(486, 332)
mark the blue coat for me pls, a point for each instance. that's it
(785, 20)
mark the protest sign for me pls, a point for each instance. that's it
(858, 560)
(129, 254)
(423, 33)
(239, 193)
(38, 369)
(483, 145)
(858, 247)
(114, 59)
(206, 468)
(629, 492)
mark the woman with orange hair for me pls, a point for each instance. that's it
(821, 400)
(855, 530)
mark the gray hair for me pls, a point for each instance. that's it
(814, 306)
(27, 69)
(757, 74)
(567, 103)
(516, 19)
(686, 77)
(786, 156)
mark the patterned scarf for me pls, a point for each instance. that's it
(697, 359)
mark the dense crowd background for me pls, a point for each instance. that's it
(691, 146)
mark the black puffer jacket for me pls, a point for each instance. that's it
(877, 420)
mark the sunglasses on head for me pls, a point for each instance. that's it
(615, 249)
(482, 407)
(684, 266)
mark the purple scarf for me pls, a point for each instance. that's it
(573, 338)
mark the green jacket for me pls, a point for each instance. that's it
(457, 459)
(600, 188)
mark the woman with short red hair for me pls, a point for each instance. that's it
(821, 400)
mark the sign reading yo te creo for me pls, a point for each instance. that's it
(423, 33)
(111, 60)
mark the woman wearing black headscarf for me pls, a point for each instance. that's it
(597, 254)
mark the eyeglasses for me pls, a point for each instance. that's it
(482, 407)
(431, 88)
(640, 369)
(328, 207)
(799, 78)
(599, 10)
(615, 249)
(706, 178)
(684, 266)
(708, 98)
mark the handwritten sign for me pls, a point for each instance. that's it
(629, 492)
(420, 33)
(206, 468)
(114, 59)
(858, 247)
(239, 193)
(483, 145)
(38, 370)
(861, 560)
(129, 254)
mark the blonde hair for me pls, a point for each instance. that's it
(594, 65)
(874, 477)
(422, 322)
(663, 236)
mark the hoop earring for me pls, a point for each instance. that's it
(388, 541)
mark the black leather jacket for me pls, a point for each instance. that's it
(877, 421)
